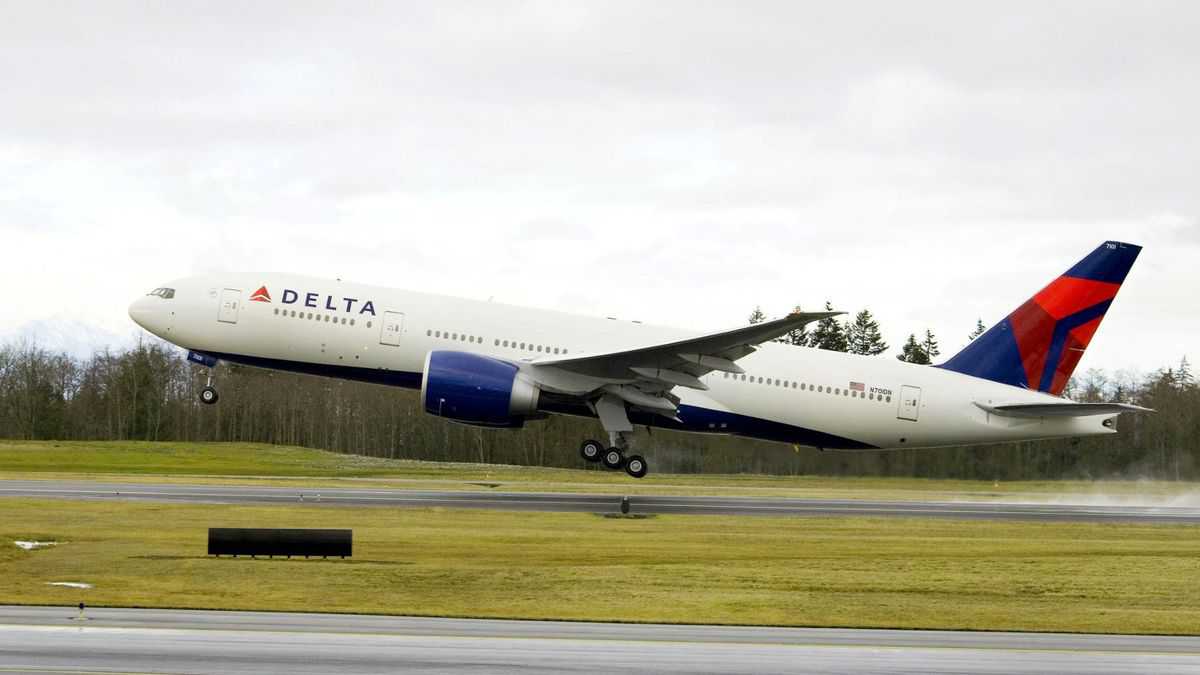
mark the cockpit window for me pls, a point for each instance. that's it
(164, 293)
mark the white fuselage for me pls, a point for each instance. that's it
(327, 327)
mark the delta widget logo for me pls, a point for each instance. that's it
(330, 302)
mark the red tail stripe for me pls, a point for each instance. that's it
(1067, 295)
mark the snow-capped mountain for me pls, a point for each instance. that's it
(78, 338)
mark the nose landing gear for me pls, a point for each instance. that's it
(208, 395)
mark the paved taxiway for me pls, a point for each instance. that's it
(50, 639)
(592, 503)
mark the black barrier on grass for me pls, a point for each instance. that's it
(237, 541)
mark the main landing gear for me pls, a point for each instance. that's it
(615, 420)
(613, 458)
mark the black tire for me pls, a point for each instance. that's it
(591, 450)
(613, 459)
(635, 465)
(209, 396)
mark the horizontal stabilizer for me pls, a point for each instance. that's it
(1066, 409)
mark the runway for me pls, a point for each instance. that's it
(51, 639)
(592, 503)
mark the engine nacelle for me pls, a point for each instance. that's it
(476, 389)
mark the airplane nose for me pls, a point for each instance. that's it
(148, 313)
(139, 312)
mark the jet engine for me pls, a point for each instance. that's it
(478, 390)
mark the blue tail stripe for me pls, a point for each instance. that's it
(1059, 342)
(1109, 263)
(993, 356)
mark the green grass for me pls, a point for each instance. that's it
(699, 569)
(269, 464)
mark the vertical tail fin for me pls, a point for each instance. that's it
(1038, 345)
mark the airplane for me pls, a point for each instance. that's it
(495, 365)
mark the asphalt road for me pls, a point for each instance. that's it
(591, 503)
(52, 639)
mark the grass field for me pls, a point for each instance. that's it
(269, 464)
(702, 569)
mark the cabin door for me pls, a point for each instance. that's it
(231, 299)
(910, 403)
(392, 327)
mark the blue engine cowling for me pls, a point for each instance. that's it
(476, 389)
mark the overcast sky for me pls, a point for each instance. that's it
(675, 163)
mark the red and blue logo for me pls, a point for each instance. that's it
(1039, 344)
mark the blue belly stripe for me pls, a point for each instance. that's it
(694, 418)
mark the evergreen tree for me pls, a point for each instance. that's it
(863, 335)
(829, 334)
(798, 336)
(1183, 376)
(912, 351)
(979, 330)
(930, 346)
(757, 315)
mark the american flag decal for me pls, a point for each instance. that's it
(857, 386)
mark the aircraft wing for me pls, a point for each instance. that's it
(1064, 409)
(682, 362)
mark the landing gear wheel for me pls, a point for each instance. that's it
(614, 458)
(635, 466)
(591, 450)
(208, 395)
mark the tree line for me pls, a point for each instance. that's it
(150, 392)
(861, 336)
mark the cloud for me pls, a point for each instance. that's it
(673, 162)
